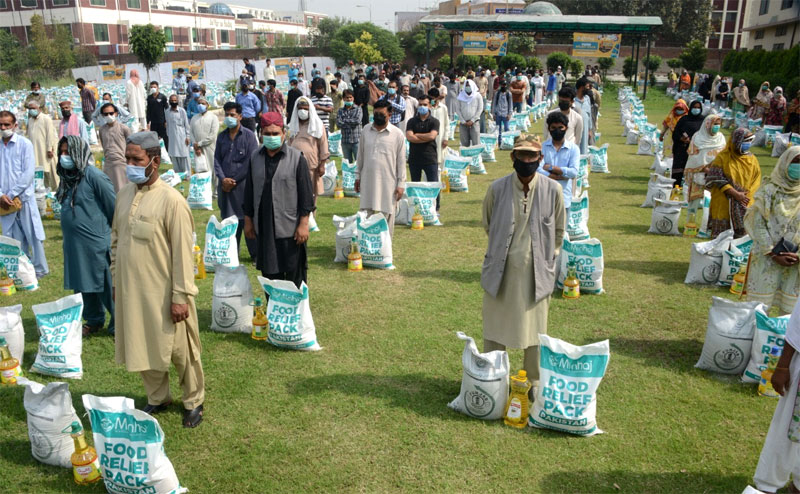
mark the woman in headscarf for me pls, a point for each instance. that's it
(679, 110)
(307, 134)
(87, 203)
(733, 178)
(682, 136)
(673, 78)
(741, 97)
(761, 102)
(715, 89)
(136, 99)
(793, 120)
(777, 106)
(469, 107)
(774, 215)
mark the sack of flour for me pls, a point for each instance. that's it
(345, 233)
(569, 376)
(221, 247)
(165, 159)
(289, 314)
(171, 178)
(329, 179)
(374, 240)
(200, 191)
(349, 179)
(231, 309)
(660, 166)
(404, 213)
(49, 409)
(489, 143)
(770, 332)
(422, 196)
(729, 336)
(583, 171)
(60, 337)
(733, 258)
(632, 137)
(706, 260)
(484, 382)
(12, 330)
(578, 221)
(456, 167)
(659, 187)
(588, 258)
(335, 143)
(507, 139)
(599, 158)
(19, 267)
(664, 220)
(474, 152)
(130, 447)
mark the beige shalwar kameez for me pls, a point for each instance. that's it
(112, 138)
(316, 153)
(381, 170)
(152, 268)
(42, 133)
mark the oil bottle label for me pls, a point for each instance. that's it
(570, 292)
(87, 473)
(354, 264)
(9, 376)
(515, 409)
(259, 331)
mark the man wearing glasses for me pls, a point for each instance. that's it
(112, 137)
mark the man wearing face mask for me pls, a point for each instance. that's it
(422, 131)
(123, 115)
(278, 201)
(361, 98)
(560, 157)
(35, 95)
(566, 97)
(307, 135)
(205, 128)
(156, 113)
(502, 109)
(113, 137)
(291, 99)
(232, 154)
(156, 316)
(524, 216)
(43, 136)
(439, 112)
(397, 102)
(518, 89)
(179, 134)
(469, 107)
(411, 106)
(251, 107)
(71, 124)
(22, 221)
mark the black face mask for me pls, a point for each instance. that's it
(173, 104)
(558, 134)
(380, 119)
(66, 113)
(503, 88)
(564, 105)
(525, 169)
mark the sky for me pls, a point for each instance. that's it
(382, 10)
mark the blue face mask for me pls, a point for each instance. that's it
(745, 147)
(66, 162)
(794, 171)
(202, 108)
(272, 142)
(714, 129)
(136, 174)
(392, 91)
(413, 86)
(231, 122)
(423, 110)
(696, 111)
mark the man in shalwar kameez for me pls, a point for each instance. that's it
(153, 273)
(42, 134)
(524, 215)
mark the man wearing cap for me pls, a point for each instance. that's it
(278, 201)
(152, 267)
(43, 136)
(112, 137)
(205, 128)
(524, 216)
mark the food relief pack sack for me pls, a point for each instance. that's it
(374, 240)
(484, 382)
(507, 139)
(12, 330)
(770, 332)
(289, 314)
(221, 247)
(345, 233)
(569, 376)
(588, 258)
(423, 199)
(19, 267)
(60, 337)
(130, 447)
(335, 143)
(456, 168)
(733, 258)
(729, 336)
(200, 194)
(474, 152)
(578, 221)
(489, 142)
(349, 179)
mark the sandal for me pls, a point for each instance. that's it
(154, 409)
(88, 329)
(192, 418)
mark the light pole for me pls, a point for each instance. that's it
(367, 7)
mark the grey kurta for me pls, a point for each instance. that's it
(112, 137)
(512, 318)
(178, 131)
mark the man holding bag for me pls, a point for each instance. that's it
(205, 128)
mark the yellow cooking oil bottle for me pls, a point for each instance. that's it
(765, 386)
(260, 322)
(338, 191)
(445, 178)
(572, 287)
(85, 467)
(9, 366)
(6, 282)
(516, 414)
(417, 221)
(48, 209)
(737, 287)
(690, 228)
(677, 194)
(199, 265)
(354, 261)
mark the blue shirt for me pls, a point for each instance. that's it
(232, 160)
(293, 74)
(567, 158)
(552, 83)
(250, 104)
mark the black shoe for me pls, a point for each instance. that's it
(192, 418)
(154, 409)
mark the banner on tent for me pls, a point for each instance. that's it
(489, 44)
(197, 69)
(282, 64)
(113, 72)
(596, 45)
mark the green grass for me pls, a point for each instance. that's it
(369, 412)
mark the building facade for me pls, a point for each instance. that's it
(772, 25)
(102, 26)
(465, 7)
(728, 18)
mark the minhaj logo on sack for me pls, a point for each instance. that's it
(123, 424)
(568, 364)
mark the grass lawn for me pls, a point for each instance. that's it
(369, 412)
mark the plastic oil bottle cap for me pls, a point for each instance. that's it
(3, 341)
(258, 301)
(73, 428)
(522, 373)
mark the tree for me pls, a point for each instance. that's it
(521, 43)
(283, 45)
(489, 63)
(605, 63)
(13, 57)
(415, 43)
(322, 36)
(693, 57)
(50, 47)
(558, 58)
(652, 63)
(385, 40)
(148, 43)
(464, 61)
(576, 68)
(512, 60)
(365, 49)
(675, 63)
(445, 62)
(629, 68)
(534, 63)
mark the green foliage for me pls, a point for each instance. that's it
(605, 63)
(445, 62)
(384, 40)
(558, 58)
(693, 57)
(464, 61)
(628, 68)
(322, 36)
(489, 63)
(781, 65)
(675, 63)
(414, 42)
(13, 57)
(652, 63)
(148, 43)
(576, 68)
(284, 45)
(365, 49)
(50, 47)
(534, 63)
(521, 43)
(512, 60)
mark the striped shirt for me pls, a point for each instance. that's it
(323, 115)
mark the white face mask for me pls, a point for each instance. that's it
(110, 119)
(153, 90)
(302, 114)
(7, 133)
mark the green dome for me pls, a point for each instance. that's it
(542, 8)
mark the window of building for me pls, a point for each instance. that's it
(100, 33)
(780, 30)
(168, 33)
(730, 17)
(764, 7)
(60, 3)
(4, 6)
(135, 4)
(760, 34)
(242, 39)
(310, 21)
(777, 46)
(98, 3)
(727, 41)
(787, 4)
(32, 4)
(28, 34)
(758, 47)
(224, 37)
(195, 37)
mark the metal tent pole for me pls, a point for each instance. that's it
(636, 68)
(428, 47)
(452, 53)
(646, 69)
